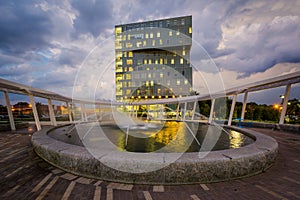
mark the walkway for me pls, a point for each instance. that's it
(23, 175)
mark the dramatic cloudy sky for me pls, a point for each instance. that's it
(45, 43)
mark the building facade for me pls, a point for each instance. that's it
(153, 59)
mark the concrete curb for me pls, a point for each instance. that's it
(189, 168)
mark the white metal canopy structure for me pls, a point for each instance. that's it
(283, 80)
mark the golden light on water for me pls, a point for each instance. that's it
(236, 139)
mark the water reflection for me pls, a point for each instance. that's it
(173, 137)
(236, 139)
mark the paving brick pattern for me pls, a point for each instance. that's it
(23, 175)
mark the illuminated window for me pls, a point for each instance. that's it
(130, 69)
(168, 83)
(172, 61)
(166, 61)
(177, 33)
(170, 33)
(128, 37)
(158, 91)
(119, 54)
(139, 44)
(161, 75)
(182, 21)
(152, 83)
(124, 84)
(181, 60)
(128, 45)
(124, 37)
(183, 52)
(125, 69)
(149, 75)
(153, 43)
(129, 62)
(128, 76)
(190, 30)
(118, 30)
(128, 92)
(147, 68)
(161, 61)
(144, 43)
(118, 45)
(125, 54)
(146, 35)
(150, 61)
(130, 54)
(158, 34)
(156, 61)
(186, 82)
(178, 82)
(151, 35)
(160, 42)
(145, 61)
(147, 83)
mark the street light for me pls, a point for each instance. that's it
(276, 106)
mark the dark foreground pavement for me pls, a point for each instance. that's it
(23, 175)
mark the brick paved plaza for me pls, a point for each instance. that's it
(23, 175)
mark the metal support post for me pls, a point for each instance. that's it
(184, 111)
(244, 105)
(9, 111)
(177, 111)
(35, 113)
(285, 103)
(51, 113)
(69, 111)
(211, 114)
(194, 110)
(83, 113)
(148, 117)
(232, 110)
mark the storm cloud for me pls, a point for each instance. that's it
(43, 43)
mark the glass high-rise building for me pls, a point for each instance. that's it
(153, 59)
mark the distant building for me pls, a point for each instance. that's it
(153, 59)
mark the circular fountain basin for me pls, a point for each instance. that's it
(185, 168)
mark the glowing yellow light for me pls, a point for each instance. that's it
(236, 139)
(276, 106)
(152, 97)
(30, 106)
